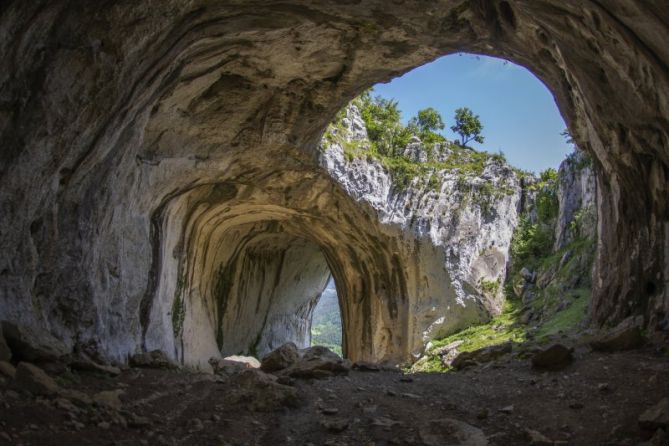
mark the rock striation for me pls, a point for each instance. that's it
(139, 138)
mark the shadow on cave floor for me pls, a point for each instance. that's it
(597, 399)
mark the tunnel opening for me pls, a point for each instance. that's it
(326, 325)
(267, 293)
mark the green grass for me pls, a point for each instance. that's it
(326, 323)
(569, 319)
(500, 329)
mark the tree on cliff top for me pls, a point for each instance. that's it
(468, 126)
(426, 124)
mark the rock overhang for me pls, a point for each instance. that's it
(126, 108)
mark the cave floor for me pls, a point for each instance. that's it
(595, 400)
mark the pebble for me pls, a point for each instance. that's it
(506, 410)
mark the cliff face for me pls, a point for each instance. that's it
(554, 248)
(460, 220)
(472, 220)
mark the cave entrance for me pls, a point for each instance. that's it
(267, 288)
(326, 327)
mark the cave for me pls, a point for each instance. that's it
(149, 148)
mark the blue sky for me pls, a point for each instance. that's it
(518, 113)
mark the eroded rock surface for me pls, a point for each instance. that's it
(143, 142)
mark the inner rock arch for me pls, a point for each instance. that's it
(122, 123)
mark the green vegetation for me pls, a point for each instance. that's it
(569, 318)
(558, 301)
(500, 329)
(490, 286)
(426, 125)
(533, 239)
(178, 315)
(468, 126)
(178, 307)
(388, 138)
(326, 322)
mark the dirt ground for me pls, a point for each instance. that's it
(596, 400)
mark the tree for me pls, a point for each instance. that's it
(384, 126)
(426, 124)
(468, 126)
(567, 137)
(428, 121)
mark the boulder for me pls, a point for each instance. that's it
(529, 276)
(441, 351)
(281, 358)
(224, 367)
(657, 417)
(155, 359)
(448, 431)
(249, 362)
(553, 357)
(83, 362)
(33, 379)
(76, 397)
(485, 354)
(625, 336)
(364, 366)
(233, 364)
(109, 398)
(8, 370)
(318, 362)
(32, 344)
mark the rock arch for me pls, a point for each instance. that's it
(119, 120)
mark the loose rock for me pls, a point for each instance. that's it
(657, 417)
(335, 425)
(481, 355)
(555, 357)
(626, 335)
(32, 344)
(83, 362)
(448, 431)
(537, 438)
(249, 362)
(281, 358)
(33, 379)
(8, 370)
(109, 398)
(318, 362)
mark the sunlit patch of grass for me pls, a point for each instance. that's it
(569, 319)
(500, 329)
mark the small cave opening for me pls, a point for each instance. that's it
(326, 327)
(268, 290)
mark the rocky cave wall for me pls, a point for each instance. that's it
(122, 123)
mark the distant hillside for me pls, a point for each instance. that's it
(326, 322)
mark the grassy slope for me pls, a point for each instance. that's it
(326, 322)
